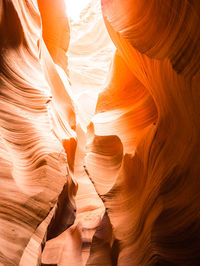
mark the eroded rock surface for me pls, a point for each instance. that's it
(154, 203)
(140, 147)
(33, 163)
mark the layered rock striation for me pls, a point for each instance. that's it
(141, 148)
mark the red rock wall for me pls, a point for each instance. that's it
(154, 202)
(142, 144)
(33, 163)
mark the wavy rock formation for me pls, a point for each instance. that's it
(33, 163)
(154, 203)
(55, 30)
(130, 141)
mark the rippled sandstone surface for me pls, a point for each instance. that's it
(127, 134)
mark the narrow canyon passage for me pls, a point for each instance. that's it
(90, 56)
(88, 59)
(99, 132)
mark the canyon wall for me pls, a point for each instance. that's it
(152, 105)
(33, 163)
(142, 150)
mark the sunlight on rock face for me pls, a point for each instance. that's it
(74, 8)
(99, 132)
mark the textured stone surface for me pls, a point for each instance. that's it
(131, 142)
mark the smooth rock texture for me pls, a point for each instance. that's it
(33, 163)
(99, 133)
(155, 202)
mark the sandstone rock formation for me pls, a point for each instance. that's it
(154, 201)
(33, 162)
(133, 139)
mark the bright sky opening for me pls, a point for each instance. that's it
(74, 8)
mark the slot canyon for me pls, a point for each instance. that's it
(100, 132)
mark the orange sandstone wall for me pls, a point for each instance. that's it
(55, 30)
(33, 164)
(142, 143)
(152, 105)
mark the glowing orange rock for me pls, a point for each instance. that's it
(142, 143)
(154, 205)
(33, 163)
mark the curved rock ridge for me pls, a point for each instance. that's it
(33, 163)
(55, 30)
(125, 107)
(159, 29)
(154, 204)
(104, 153)
(102, 244)
(141, 149)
